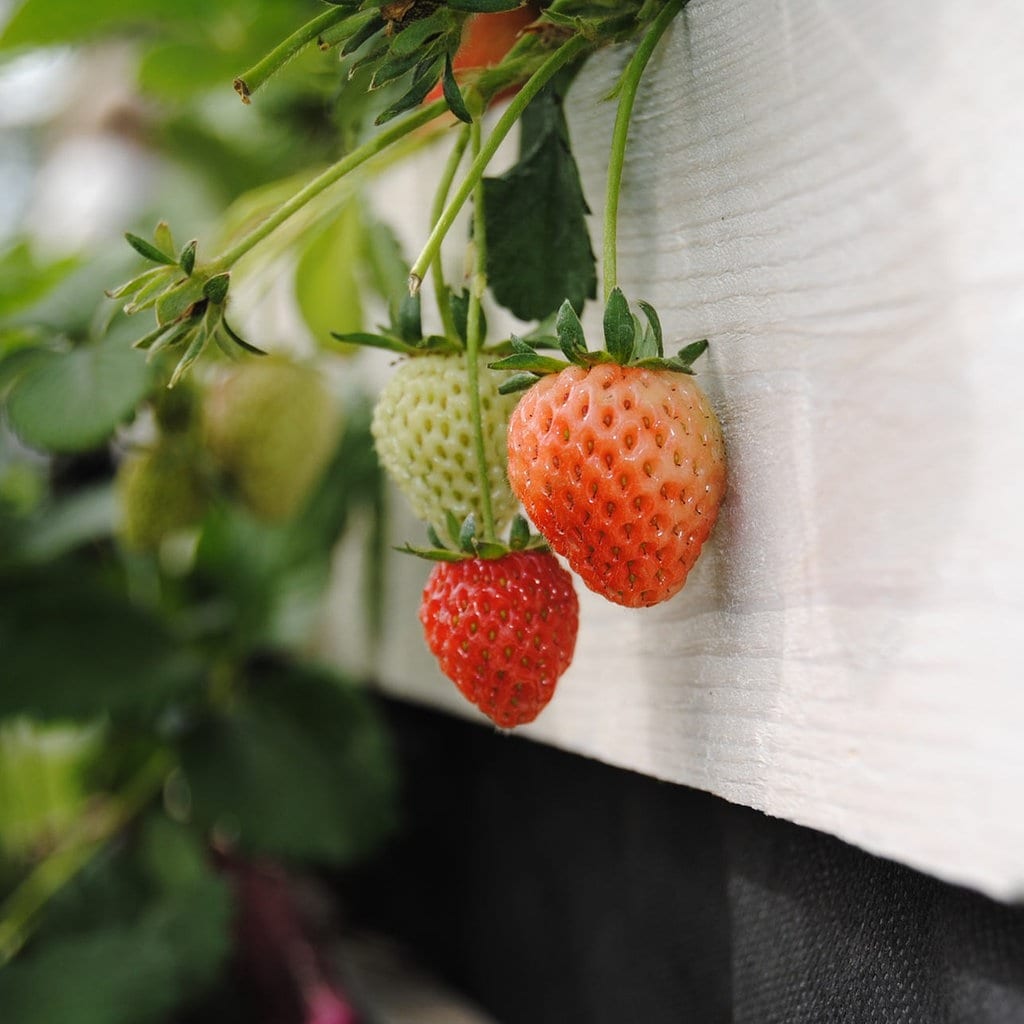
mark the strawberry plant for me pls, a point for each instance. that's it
(169, 535)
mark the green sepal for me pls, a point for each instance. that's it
(489, 549)
(531, 362)
(360, 36)
(452, 525)
(654, 323)
(434, 554)
(517, 382)
(239, 341)
(187, 259)
(162, 237)
(484, 6)
(434, 539)
(619, 328)
(148, 250)
(452, 92)
(571, 339)
(519, 533)
(424, 79)
(150, 292)
(420, 34)
(467, 534)
(216, 288)
(136, 284)
(692, 352)
(178, 302)
(391, 70)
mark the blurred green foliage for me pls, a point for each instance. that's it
(161, 717)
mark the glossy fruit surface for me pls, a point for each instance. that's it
(622, 469)
(503, 630)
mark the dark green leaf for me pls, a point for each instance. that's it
(356, 40)
(539, 251)
(619, 330)
(391, 70)
(407, 322)
(692, 352)
(300, 769)
(73, 649)
(149, 250)
(441, 554)
(137, 965)
(418, 35)
(384, 341)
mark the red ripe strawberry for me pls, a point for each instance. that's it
(622, 469)
(503, 630)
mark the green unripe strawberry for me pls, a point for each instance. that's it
(161, 491)
(272, 426)
(423, 431)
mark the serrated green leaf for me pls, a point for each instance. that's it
(326, 286)
(538, 251)
(301, 769)
(148, 250)
(72, 401)
(619, 329)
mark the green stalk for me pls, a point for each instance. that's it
(477, 286)
(22, 908)
(628, 86)
(249, 81)
(440, 198)
(564, 55)
(380, 142)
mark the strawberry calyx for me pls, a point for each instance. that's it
(405, 332)
(628, 342)
(464, 542)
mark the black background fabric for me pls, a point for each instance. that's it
(556, 890)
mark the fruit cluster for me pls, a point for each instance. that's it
(615, 455)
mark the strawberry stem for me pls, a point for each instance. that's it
(440, 198)
(371, 148)
(477, 286)
(564, 55)
(249, 81)
(628, 86)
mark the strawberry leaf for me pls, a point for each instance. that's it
(539, 250)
